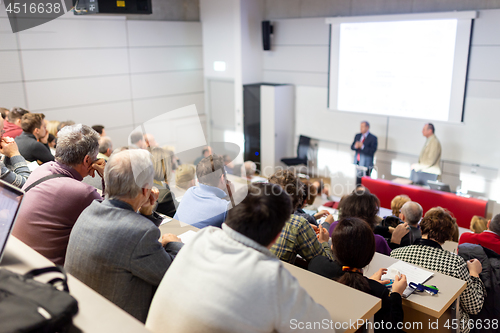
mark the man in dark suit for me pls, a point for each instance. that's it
(365, 146)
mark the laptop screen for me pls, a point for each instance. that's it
(10, 200)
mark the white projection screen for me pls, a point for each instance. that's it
(412, 65)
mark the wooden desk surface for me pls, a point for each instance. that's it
(335, 297)
(344, 304)
(95, 314)
(449, 289)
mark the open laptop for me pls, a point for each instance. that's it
(10, 201)
(422, 178)
(438, 186)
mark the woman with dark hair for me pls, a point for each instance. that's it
(353, 245)
(365, 206)
(437, 227)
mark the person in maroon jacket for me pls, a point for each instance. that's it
(12, 125)
(489, 238)
(55, 194)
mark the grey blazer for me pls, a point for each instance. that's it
(116, 252)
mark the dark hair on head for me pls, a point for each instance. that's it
(32, 121)
(354, 246)
(360, 189)
(262, 214)
(210, 169)
(16, 113)
(438, 224)
(98, 128)
(291, 184)
(431, 127)
(205, 150)
(366, 123)
(360, 204)
(51, 138)
(495, 224)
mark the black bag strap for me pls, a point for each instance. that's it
(41, 180)
(50, 269)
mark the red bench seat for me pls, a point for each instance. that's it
(462, 208)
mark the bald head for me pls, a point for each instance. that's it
(412, 212)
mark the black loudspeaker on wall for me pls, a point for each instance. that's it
(267, 31)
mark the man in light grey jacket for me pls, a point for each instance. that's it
(115, 250)
(227, 280)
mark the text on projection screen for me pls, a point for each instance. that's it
(401, 68)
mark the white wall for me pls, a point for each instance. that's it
(300, 57)
(102, 70)
(231, 33)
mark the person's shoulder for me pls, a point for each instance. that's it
(298, 220)
(405, 251)
(325, 267)
(467, 236)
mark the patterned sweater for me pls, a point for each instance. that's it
(430, 255)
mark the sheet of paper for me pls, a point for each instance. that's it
(166, 219)
(413, 274)
(32, 166)
(187, 236)
(331, 210)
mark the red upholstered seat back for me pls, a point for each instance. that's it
(462, 208)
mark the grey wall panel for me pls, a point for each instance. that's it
(296, 78)
(156, 33)
(157, 59)
(71, 92)
(10, 67)
(165, 84)
(486, 28)
(147, 109)
(12, 94)
(380, 7)
(75, 34)
(109, 115)
(74, 63)
(482, 63)
(293, 32)
(312, 59)
(7, 38)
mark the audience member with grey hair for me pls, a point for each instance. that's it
(114, 246)
(128, 173)
(55, 194)
(411, 213)
(105, 147)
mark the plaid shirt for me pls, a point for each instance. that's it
(433, 257)
(298, 237)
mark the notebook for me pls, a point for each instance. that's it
(413, 274)
(10, 201)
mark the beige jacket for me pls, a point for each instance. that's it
(430, 156)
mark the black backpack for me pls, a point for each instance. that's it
(27, 305)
